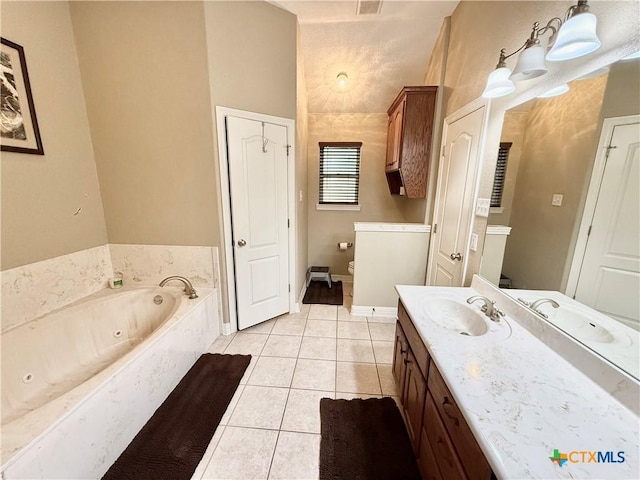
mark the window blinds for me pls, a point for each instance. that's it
(501, 172)
(339, 172)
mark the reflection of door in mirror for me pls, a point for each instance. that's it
(554, 144)
(609, 273)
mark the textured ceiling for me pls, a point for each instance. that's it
(380, 53)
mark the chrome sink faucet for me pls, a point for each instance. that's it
(489, 308)
(534, 305)
(188, 288)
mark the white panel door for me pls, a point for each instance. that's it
(454, 199)
(257, 153)
(610, 275)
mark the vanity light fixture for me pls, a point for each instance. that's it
(571, 38)
(576, 36)
(342, 79)
(498, 83)
(555, 92)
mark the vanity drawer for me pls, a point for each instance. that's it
(468, 450)
(441, 445)
(414, 340)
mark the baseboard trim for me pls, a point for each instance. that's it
(298, 306)
(342, 278)
(365, 311)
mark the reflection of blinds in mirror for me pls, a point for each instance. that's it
(501, 172)
(339, 172)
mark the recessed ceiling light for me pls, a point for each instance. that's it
(342, 79)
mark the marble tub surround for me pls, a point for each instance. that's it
(521, 399)
(80, 434)
(150, 264)
(620, 384)
(33, 290)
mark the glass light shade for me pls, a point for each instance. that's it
(554, 92)
(530, 64)
(498, 84)
(577, 37)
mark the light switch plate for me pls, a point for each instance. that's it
(482, 207)
(474, 242)
(556, 201)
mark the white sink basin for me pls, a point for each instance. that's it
(455, 316)
(580, 326)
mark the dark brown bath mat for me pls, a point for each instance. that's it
(364, 440)
(173, 441)
(319, 292)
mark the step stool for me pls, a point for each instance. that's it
(318, 273)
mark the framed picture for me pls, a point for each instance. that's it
(18, 124)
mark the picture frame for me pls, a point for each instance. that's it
(19, 130)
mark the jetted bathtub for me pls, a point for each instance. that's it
(78, 383)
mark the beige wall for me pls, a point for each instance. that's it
(557, 156)
(386, 259)
(144, 71)
(252, 65)
(327, 228)
(41, 194)
(153, 74)
(302, 200)
(513, 130)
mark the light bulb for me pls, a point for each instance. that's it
(342, 79)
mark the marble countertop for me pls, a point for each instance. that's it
(522, 400)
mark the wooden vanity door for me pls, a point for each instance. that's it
(413, 394)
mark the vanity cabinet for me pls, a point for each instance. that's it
(442, 440)
(409, 135)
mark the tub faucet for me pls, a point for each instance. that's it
(188, 288)
(489, 308)
(534, 306)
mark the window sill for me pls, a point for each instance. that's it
(337, 207)
(496, 210)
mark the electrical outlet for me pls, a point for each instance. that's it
(482, 207)
(474, 242)
(556, 200)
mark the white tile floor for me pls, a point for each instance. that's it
(272, 426)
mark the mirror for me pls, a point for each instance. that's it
(554, 148)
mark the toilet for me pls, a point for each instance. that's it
(351, 267)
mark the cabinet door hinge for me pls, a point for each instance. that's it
(589, 231)
(435, 227)
(288, 147)
(288, 223)
(289, 288)
(443, 151)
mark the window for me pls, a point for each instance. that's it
(501, 172)
(339, 173)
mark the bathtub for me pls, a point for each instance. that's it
(79, 383)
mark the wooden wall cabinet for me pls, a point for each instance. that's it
(444, 445)
(409, 134)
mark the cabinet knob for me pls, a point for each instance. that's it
(403, 350)
(407, 361)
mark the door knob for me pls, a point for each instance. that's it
(242, 243)
(456, 256)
